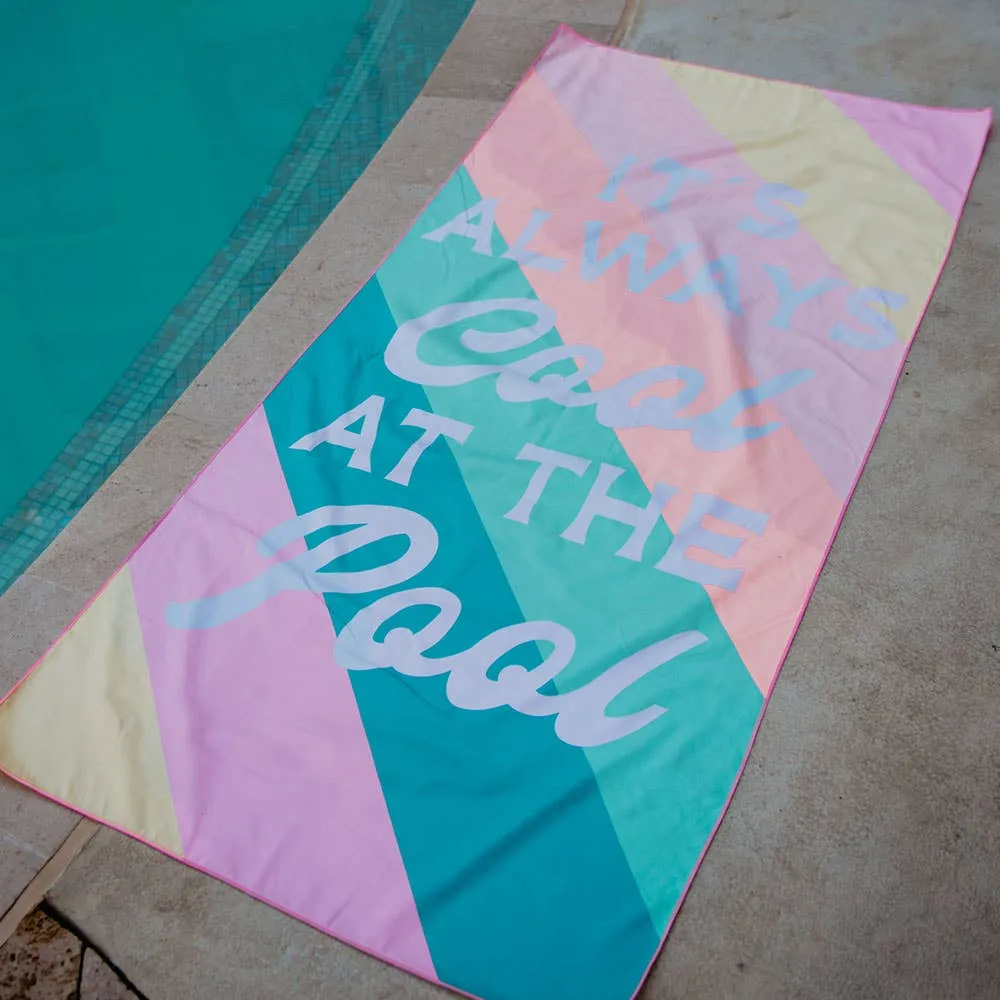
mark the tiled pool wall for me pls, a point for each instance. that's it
(393, 51)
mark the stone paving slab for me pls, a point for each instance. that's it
(98, 980)
(861, 855)
(494, 50)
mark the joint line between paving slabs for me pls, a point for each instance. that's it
(35, 891)
(87, 944)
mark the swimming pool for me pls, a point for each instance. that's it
(162, 164)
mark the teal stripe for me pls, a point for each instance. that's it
(518, 876)
(666, 785)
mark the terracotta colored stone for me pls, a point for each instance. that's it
(40, 962)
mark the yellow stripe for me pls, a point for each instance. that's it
(83, 726)
(873, 221)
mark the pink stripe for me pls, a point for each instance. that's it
(273, 782)
(612, 98)
(938, 148)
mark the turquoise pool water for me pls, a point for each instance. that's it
(162, 162)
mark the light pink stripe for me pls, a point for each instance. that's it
(629, 106)
(273, 782)
(938, 148)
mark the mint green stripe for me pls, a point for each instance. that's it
(665, 786)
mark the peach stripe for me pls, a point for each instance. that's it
(637, 331)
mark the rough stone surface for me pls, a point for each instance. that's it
(40, 962)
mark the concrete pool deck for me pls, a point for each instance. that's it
(861, 854)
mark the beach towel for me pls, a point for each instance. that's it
(457, 648)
